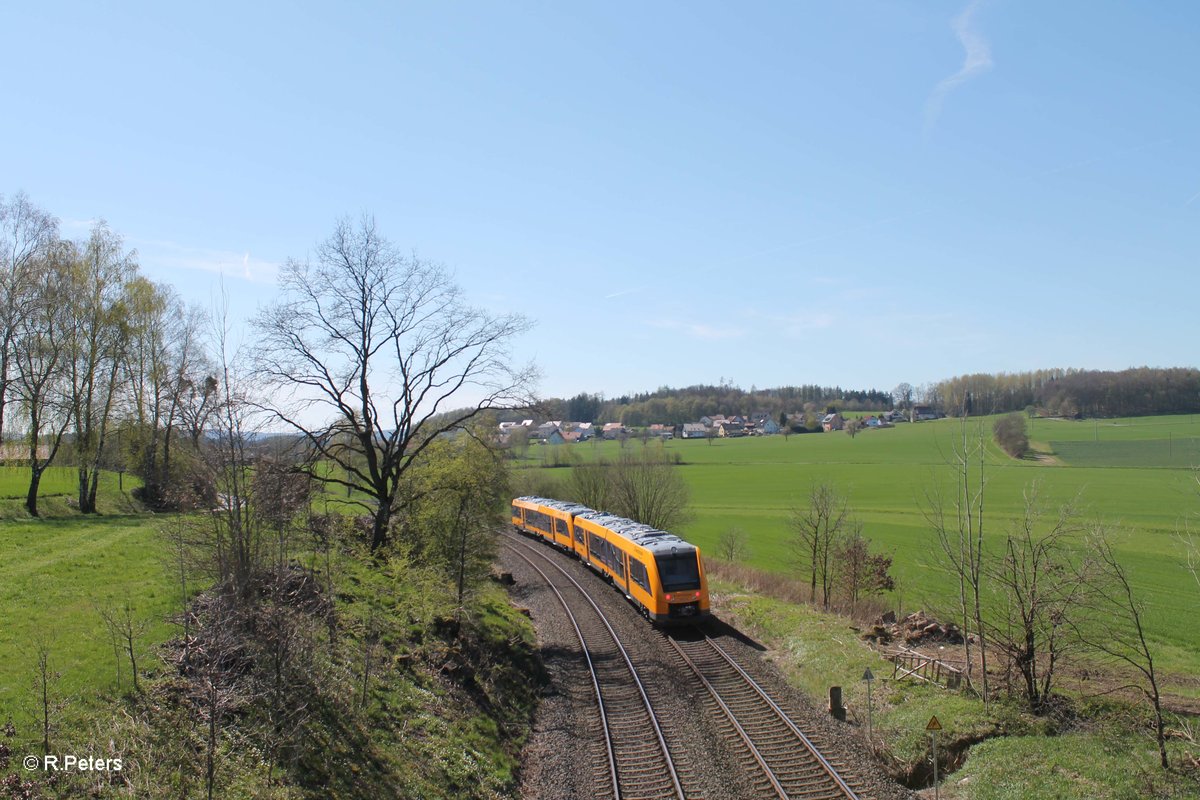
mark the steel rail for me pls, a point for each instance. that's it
(811, 748)
(666, 753)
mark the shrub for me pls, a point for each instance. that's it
(1011, 434)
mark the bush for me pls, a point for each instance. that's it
(1011, 434)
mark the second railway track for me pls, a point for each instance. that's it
(787, 761)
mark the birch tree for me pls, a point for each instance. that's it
(27, 234)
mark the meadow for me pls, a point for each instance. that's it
(887, 475)
(57, 574)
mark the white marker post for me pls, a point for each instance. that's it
(868, 677)
(933, 727)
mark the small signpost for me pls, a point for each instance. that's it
(868, 677)
(933, 727)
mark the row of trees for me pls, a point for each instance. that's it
(89, 347)
(1070, 392)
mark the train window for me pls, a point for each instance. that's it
(594, 543)
(579, 534)
(516, 510)
(619, 563)
(637, 573)
(560, 526)
(678, 572)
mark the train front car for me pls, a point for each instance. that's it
(681, 590)
(659, 573)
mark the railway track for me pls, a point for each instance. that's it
(787, 763)
(639, 762)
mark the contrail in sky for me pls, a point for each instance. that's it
(977, 59)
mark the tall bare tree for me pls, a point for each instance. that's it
(816, 530)
(27, 234)
(957, 523)
(1036, 597)
(383, 351)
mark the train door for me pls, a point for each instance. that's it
(625, 578)
(561, 536)
(577, 543)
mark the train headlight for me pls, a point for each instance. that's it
(669, 596)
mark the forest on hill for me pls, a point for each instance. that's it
(1133, 392)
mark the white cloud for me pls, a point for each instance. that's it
(801, 324)
(977, 59)
(699, 330)
(172, 256)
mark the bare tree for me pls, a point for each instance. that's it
(588, 484)
(957, 524)
(733, 545)
(383, 344)
(1191, 547)
(816, 528)
(1036, 595)
(27, 234)
(47, 690)
(646, 488)
(126, 630)
(1113, 625)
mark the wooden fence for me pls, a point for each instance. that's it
(911, 664)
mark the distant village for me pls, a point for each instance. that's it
(717, 426)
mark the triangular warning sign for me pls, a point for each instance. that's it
(933, 725)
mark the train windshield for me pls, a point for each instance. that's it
(679, 572)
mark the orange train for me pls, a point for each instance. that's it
(661, 574)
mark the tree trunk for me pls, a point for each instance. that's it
(87, 501)
(31, 498)
(379, 530)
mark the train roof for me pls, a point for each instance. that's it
(561, 505)
(654, 540)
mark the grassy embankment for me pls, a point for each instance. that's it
(446, 714)
(1110, 756)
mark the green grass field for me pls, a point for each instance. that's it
(55, 577)
(886, 474)
(56, 574)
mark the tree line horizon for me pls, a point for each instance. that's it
(1060, 392)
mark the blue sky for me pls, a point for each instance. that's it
(677, 192)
